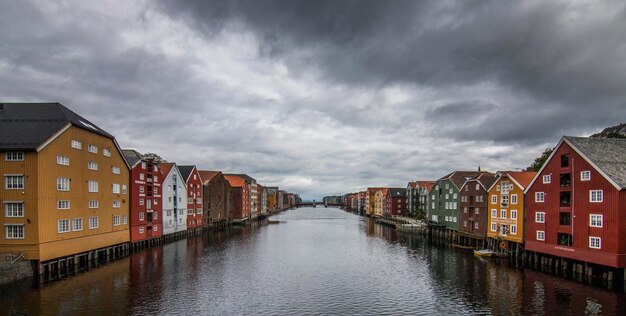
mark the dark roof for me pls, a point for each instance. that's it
(207, 175)
(459, 177)
(132, 156)
(185, 171)
(27, 126)
(486, 179)
(608, 154)
(397, 192)
(246, 177)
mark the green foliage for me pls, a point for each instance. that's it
(539, 161)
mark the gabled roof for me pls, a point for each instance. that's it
(458, 178)
(186, 171)
(244, 176)
(206, 176)
(430, 186)
(606, 155)
(27, 126)
(132, 156)
(166, 167)
(486, 180)
(522, 178)
(235, 181)
(397, 192)
(412, 185)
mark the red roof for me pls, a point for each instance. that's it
(166, 167)
(206, 175)
(522, 177)
(412, 184)
(235, 181)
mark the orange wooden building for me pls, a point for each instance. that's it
(64, 183)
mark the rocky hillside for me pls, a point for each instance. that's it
(617, 131)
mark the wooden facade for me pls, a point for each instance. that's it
(474, 205)
(506, 214)
(216, 197)
(240, 203)
(563, 209)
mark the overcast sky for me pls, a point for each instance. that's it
(325, 97)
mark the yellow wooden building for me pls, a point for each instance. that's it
(506, 206)
(65, 183)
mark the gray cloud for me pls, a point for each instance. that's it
(325, 96)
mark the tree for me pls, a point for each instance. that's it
(154, 156)
(539, 161)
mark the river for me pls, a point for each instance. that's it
(309, 261)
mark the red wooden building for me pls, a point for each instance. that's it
(145, 197)
(474, 205)
(395, 202)
(576, 204)
(194, 196)
(240, 201)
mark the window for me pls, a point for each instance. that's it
(475, 225)
(94, 204)
(14, 209)
(76, 144)
(106, 152)
(14, 231)
(155, 215)
(595, 242)
(564, 239)
(92, 165)
(124, 190)
(14, 181)
(156, 178)
(149, 203)
(540, 217)
(142, 176)
(198, 211)
(505, 200)
(547, 179)
(447, 196)
(14, 156)
(77, 224)
(564, 161)
(447, 185)
(143, 165)
(116, 220)
(476, 210)
(116, 188)
(116, 204)
(141, 189)
(494, 227)
(513, 229)
(513, 214)
(63, 205)
(124, 220)
(565, 218)
(115, 170)
(595, 196)
(93, 186)
(494, 199)
(564, 180)
(585, 175)
(93, 222)
(504, 187)
(454, 196)
(502, 213)
(464, 223)
(595, 220)
(465, 210)
(540, 197)
(565, 199)
(541, 235)
(190, 200)
(156, 227)
(494, 213)
(513, 198)
(63, 226)
(477, 186)
(63, 184)
(466, 188)
(169, 213)
(62, 160)
(92, 149)
(141, 216)
(432, 205)
(141, 229)
(156, 190)
(141, 202)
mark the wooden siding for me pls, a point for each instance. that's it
(498, 220)
(54, 244)
(467, 210)
(194, 191)
(29, 168)
(440, 200)
(611, 252)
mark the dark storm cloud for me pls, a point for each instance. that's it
(567, 55)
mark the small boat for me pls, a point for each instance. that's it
(462, 247)
(489, 253)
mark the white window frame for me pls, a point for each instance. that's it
(494, 213)
(115, 187)
(14, 156)
(599, 196)
(17, 182)
(117, 204)
(124, 189)
(76, 144)
(542, 233)
(94, 223)
(592, 240)
(513, 228)
(585, 175)
(11, 231)
(63, 160)
(106, 152)
(92, 149)
(92, 186)
(63, 184)
(141, 216)
(115, 170)
(13, 208)
(502, 213)
(94, 204)
(92, 165)
(61, 227)
(494, 227)
(513, 214)
(61, 206)
(540, 217)
(494, 199)
(124, 219)
(513, 199)
(546, 179)
(596, 220)
(77, 222)
(116, 220)
(542, 195)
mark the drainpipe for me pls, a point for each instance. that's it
(572, 178)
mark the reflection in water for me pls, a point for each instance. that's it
(315, 261)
